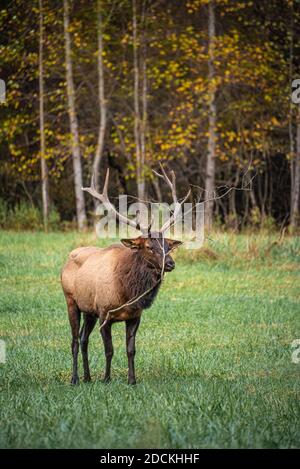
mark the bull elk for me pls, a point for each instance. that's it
(116, 283)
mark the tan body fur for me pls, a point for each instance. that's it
(90, 277)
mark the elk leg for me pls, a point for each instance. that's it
(87, 328)
(108, 349)
(132, 326)
(74, 318)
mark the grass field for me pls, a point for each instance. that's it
(213, 360)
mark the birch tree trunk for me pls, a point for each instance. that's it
(76, 156)
(144, 117)
(291, 71)
(102, 101)
(210, 162)
(296, 182)
(137, 118)
(143, 126)
(295, 156)
(44, 169)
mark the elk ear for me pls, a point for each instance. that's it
(132, 243)
(173, 243)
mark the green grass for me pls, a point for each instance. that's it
(213, 357)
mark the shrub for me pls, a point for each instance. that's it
(25, 216)
(54, 222)
(3, 213)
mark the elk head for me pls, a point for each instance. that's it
(154, 248)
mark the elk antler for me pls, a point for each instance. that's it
(109, 206)
(177, 205)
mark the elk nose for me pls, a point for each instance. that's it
(169, 265)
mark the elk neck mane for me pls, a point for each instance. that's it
(136, 277)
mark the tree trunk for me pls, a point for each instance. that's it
(233, 216)
(210, 162)
(295, 156)
(144, 118)
(266, 188)
(249, 183)
(137, 118)
(233, 221)
(291, 133)
(296, 182)
(144, 121)
(102, 102)
(44, 169)
(76, 155)
(155, 183)
(246, 208)
(252, 198)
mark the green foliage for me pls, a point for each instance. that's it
(54, 222)
(252, 85)
(24, 216)
(255, 217)
(213, 353)
(258, 221)
(269, 224)
(3, 213)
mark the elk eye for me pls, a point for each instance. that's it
(150, 248)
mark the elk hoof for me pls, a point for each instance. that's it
(74, 380)
(87, 379)
(132, 382)
(106, 379)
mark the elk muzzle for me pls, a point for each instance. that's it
(169, 265)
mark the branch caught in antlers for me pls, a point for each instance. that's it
(104, 199)
(177, 204)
